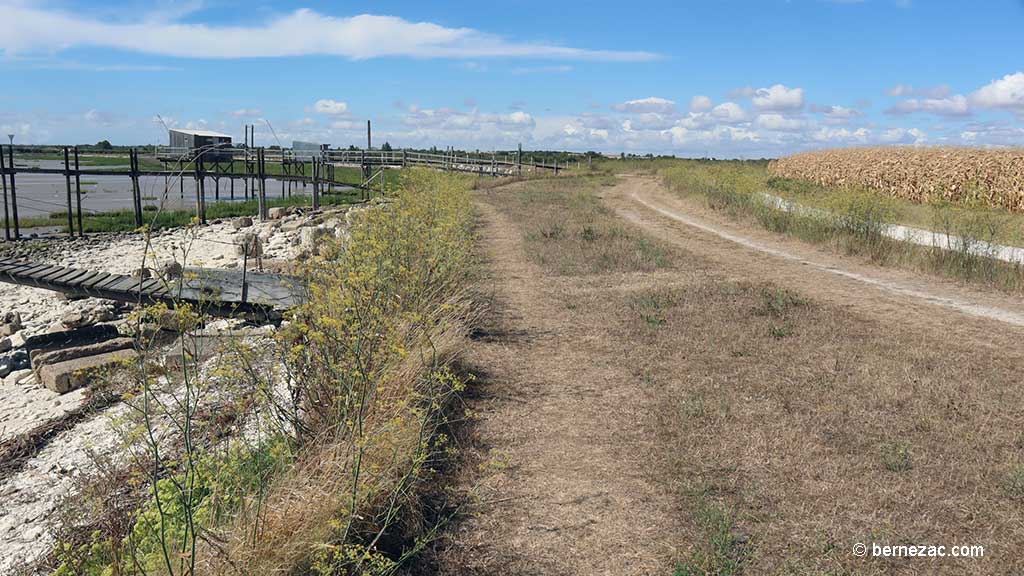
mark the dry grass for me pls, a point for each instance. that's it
(568, 229)
(785, 429)
(795, 429)
(964, 176)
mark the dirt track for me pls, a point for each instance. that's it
(914, 299)
(574, 487)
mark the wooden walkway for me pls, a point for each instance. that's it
(215, 291)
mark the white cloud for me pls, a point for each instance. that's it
(28, 28)
(729, 112)
(94, 116)
(649, 104)
(330, 107)
(519, 118)
(1007, 92)
(839, 113)
(778, 122)
(952, 106)
(832, 136)
(906, 90)
(700, 104)
(247, 113)
(903, 136)
(778, 98)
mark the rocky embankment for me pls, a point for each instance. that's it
(48, 343)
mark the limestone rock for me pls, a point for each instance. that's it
(277, 213)
(66, 376)
(65, 354)
(242, 222)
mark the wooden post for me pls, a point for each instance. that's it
(3, 176)
(261, 168)
(14, 193)
(369, 145)
(216, 188)
(78, 194)
(136, 191)
(199, 200)
(519, 159)
(67, 183)
(316, 184)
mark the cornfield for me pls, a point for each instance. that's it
(965, 176)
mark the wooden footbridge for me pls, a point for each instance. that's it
(215, 291)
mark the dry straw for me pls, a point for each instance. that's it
(966, 176)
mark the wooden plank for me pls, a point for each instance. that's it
(101, 278)
(123, 284)
(58, 274)
(113, 283)
(33, 276)
(7, 265)
(75, 278)
(84, 283)
(78, 276)
(28, 272)
(152, 285)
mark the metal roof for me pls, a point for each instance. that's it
(200, 133)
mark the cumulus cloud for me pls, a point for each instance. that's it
(778, 122)
(700, 104)
(837, 114)
(729, 112)
(903, 136)
(330, 107)
(649, 104)
(1007, 92)
(30, 28)
(906, 91)
(778, 98)
(951, 106)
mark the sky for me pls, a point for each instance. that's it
(722, 78)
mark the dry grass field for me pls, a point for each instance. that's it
(781, 425)
(966, 176)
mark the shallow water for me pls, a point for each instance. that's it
(41, 194)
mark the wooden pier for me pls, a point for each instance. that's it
(216, 291)
(254, 167)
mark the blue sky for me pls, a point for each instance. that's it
(720, 77)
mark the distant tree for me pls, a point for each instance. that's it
(104, 145)
(386, 147)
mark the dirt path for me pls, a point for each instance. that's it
(565, 420)
(569, 399)
(928, 302)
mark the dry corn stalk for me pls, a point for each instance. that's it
(971, 176)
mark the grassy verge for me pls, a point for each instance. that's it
(345, 425)
(124, 220)
(569, 229)
(855, 220)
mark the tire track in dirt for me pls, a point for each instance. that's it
(645, 202)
